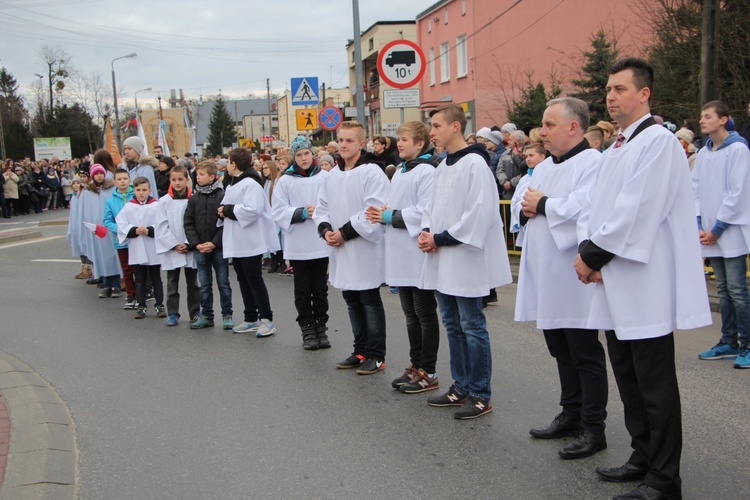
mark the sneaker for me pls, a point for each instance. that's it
(371, 366)
(202, 322)
(172, 321)
(116, 292)
(130, 303)
(408, 374)
(227, 322)
(106, 293)
(352, 361)
(266, 328)
(246, 327)
(160, 311)
(150, 296)
(421, 382)
(720, 351)
(287, 272)
(140, 312)
(473, 407)
(743, 359)
(450, 398)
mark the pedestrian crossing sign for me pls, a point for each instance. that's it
(307, 119)
(305, 91)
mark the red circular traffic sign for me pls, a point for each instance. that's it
(401, 64)
(330, 118)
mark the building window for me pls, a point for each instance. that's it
(461, 56)
(446, 16)
(432, 65)
(429, 26)
(463, 7)
(370, 44)
(445, 62)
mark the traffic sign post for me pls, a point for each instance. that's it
(330, 118)
(305, 91)
(307, 119)
(401, 64)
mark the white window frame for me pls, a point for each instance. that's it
(431, 59)
(445, 62)
(429, 25)
(463, 7)
(462, 57)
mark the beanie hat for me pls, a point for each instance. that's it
(95, 169)
(490, 135)
(328, 158)
(685, 134)
(134, 142)
(509, 127)
(300, 142)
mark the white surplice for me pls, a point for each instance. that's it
(515, 209)
(254, 231)
(170, 232)
(141, 249)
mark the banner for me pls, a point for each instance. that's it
(161, 137)
(110, 144)
(142, 135)
(52, 147)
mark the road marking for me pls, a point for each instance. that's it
(38, 240)
(77, 261)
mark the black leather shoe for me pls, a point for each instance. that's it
(621, 474)
(645, 492)
(94, 281)
(584, 445)
(561, 426)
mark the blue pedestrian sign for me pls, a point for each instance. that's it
(330, 118)
(305, 91)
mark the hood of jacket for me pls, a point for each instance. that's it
(732, 138)
(364, 158)
(479, 149)
(250, 173)
(428, 158)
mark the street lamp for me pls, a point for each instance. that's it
(137, 110)
(114, 90)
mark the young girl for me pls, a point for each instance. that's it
(74, 232)
(270, 174)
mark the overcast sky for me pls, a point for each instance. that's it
(197, 45)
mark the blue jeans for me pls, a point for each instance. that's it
(469, 343)
(734, 300)
(367, 316)
(205, 262)
(112, 281)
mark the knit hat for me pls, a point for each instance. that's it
(134, 142)
(685, 134)
(509, 127)
(490, 135)
(328, 158)
(223, 162)
(95, 169)
(300, 142)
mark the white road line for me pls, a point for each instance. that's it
(29, 242)
(77, 261)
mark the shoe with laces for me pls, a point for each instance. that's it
(227, 323)
(720, 351)
(371, 366)
(743, 359)
(106, 293)
(473, 407)
(352, 361)
(130, 303)
(421, 382)
(405, 377)
(450, 398)
(266, 328)
(202, 322)
(246, 327)
(172, 320)
(289, 271)
(140, 312)
(160, 311)
(116, 292)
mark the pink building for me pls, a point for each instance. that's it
(482, 52)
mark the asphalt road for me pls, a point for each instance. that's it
(174, 413)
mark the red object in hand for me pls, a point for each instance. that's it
(100, 231)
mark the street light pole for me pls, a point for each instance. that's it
(137, 109)
(114, 91)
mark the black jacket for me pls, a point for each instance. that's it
(162, 181)
(201, 216)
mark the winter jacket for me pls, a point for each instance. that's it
(23, 181)
(201, 216)
(112, 207)
(162, 181)
(11, 186)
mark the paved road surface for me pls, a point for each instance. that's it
(174, 413)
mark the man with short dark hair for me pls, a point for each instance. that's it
(638, 247)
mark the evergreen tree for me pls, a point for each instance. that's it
(18, 141)
(594, 75)
(527, 112)
(221, 128)
(76, 123)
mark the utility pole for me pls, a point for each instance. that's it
(358, 64)
(268, 102)
(709, 52)
(323, 94)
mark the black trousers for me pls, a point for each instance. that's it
(193, 291)
(142, 276)
(253, 289)
(311, 290)
(647, 381)
(422, 326)
(582, 368)
(367, 317)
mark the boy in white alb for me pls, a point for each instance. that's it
(294, 197)
(721, 183)
(357, 255)
(135, 227)
(411, 189)
(249, 232)
(534, 154)
(171, 245)
(466, 256)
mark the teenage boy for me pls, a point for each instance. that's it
(357, 246)
(249, 232)
(122, 195)
(411, 188)
(171, 245)
(204, 238)
(294, 197)
(135, 227)
(721, 182)
(462, 236)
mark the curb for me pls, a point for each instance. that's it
(25, 235)
(56, 222)
(42, 459)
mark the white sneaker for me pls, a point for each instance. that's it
(266, 328)
(246, 327)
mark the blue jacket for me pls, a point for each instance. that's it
(112, 207)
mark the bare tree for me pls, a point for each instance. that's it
(59, 66)
(92, 93)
